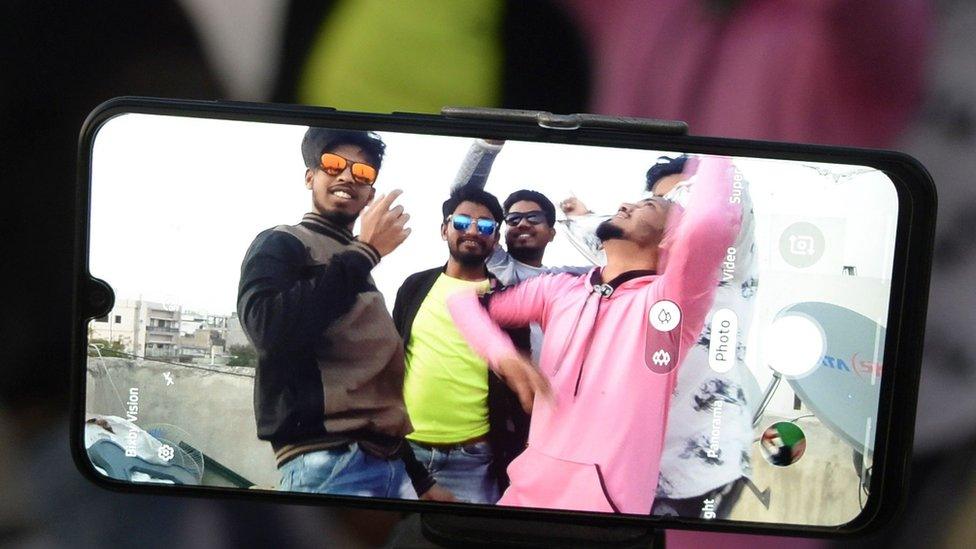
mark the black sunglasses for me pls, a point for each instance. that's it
(535, 218)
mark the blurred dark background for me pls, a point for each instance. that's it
(895, 74)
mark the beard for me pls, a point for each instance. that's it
(525, 254)
(608, 231)
(339, 218)
(469, 259)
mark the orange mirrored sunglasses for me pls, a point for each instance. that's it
(333, 164)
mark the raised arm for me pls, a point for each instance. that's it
(580, 227)
(697, 245)
(581, 232)
(283, 302)
(745, 240)
(477, 164)
(480, 322)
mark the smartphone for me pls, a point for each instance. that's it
(500, 314)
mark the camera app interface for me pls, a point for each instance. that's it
(531, 325)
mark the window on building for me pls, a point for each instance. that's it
(118, 319)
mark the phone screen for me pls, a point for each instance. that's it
(694, 336)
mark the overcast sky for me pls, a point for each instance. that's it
(176, 201)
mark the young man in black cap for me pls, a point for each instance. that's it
(328, 387)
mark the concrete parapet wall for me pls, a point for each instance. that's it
(214, 406)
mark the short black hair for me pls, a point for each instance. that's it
(533, 196)
(319, 140)
(477, 195)
(664, 167)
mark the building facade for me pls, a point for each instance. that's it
(145, 329)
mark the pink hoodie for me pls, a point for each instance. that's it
(598, 448)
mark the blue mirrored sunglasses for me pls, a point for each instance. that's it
(461, 222)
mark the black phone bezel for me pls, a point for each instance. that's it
(905, 328)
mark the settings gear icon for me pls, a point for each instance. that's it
(165, 452)
(661, 358)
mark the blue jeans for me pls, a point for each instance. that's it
(346, 471)
(462, 469)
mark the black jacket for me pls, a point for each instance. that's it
(330, 362)
(508, 423)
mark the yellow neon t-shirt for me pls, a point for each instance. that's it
(446, 383)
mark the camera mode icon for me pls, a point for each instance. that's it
(802, 244)
(661, 358)
(664, 316)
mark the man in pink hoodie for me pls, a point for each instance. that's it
(613, 340)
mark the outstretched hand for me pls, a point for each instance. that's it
(382, 226)
(573, 206)
(524, 379)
